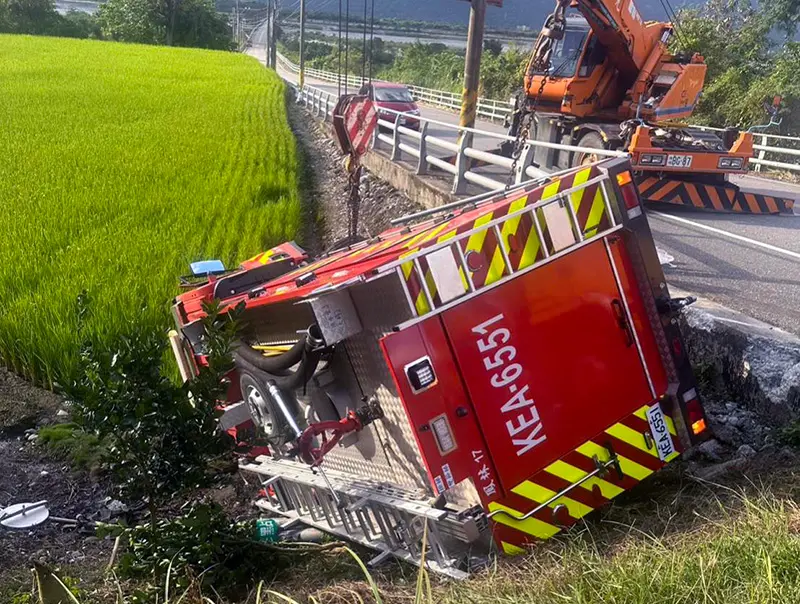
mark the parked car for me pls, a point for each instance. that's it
(396, 97)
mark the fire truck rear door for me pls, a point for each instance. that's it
(549, 360)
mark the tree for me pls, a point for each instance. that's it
(746, 67)
(171, 22)
(38, 17)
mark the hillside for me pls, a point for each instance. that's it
(120, 165)
(513, 14)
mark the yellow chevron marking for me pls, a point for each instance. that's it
(551, 189)
(540, 494)
(572, 474)
(512, 550)
(632, 437)
(532, 244)
(641, 413)
(509, 227)
(531, 526)
(433, 233)
(576, 197)
(407, 268)
(475, 241)
(421, 304)
(629, 468)
(595, 215)
(497, 266)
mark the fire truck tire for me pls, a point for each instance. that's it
(266, 416)
(592, 140)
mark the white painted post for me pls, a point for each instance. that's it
(396, 139)
(462, 164)
(422, 164)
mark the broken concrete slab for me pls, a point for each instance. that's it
(744, 360)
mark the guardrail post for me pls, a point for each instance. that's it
(396, 139)
(317, 103)
(762, 153)
(462, 164)
(327, 108)
(376, 141)
(422, 164)
(525, 159)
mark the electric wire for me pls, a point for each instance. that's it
(371, 38)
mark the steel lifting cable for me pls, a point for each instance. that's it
(672, 16)
(364, 47)
(371, 37)
(346, 44)
(339, 68)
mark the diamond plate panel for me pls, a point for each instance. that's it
(381, 305)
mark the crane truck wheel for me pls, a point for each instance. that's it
(266, 416)
(584, 158)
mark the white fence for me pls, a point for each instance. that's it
(487, 108)
(463, 158)
(783, 152)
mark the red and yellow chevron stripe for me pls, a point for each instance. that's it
(637, 457)
(716, 198)
(520, 238)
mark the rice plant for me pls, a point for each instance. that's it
(119, 165)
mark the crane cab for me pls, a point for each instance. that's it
(576, 70)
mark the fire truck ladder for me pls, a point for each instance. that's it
(546, 216)
(381, 517)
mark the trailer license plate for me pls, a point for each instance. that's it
(679, 161)
(661, 436)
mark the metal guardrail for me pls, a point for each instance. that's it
(490, 109)
(762, 147)
(490, 171)
(496, 110)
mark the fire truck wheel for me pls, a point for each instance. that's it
(262, 409)
(593, 141)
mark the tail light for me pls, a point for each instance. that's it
(629, 194)
(697, 421)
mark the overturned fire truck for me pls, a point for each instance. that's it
(493, 371)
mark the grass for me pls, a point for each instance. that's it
(121, 164)
(675, 542)
(67, 441)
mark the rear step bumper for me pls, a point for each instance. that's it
(722, 197)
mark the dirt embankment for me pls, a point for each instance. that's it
(325, 188)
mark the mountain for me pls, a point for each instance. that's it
(513, 14)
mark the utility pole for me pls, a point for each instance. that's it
(472, 65)
(302, 42)
(274, 47)
(268, 43)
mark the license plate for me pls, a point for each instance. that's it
(679, 161)
(660, 432)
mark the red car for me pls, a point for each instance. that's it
(396, 97)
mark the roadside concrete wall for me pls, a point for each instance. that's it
(753, 363)
(400, 178)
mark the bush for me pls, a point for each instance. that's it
(160, 435)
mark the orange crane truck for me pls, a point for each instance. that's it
(602, 77)
(486, 372)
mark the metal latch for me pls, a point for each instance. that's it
(674, 305)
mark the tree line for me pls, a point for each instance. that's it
(750, 50)
(170, 22)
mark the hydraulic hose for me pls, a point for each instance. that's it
(274, 364)
(311, 348)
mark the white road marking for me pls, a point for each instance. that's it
(730, 235)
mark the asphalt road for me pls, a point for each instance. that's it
(759, 282)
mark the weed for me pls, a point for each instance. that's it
(68, 441)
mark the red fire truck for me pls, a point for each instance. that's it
(493, 371)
